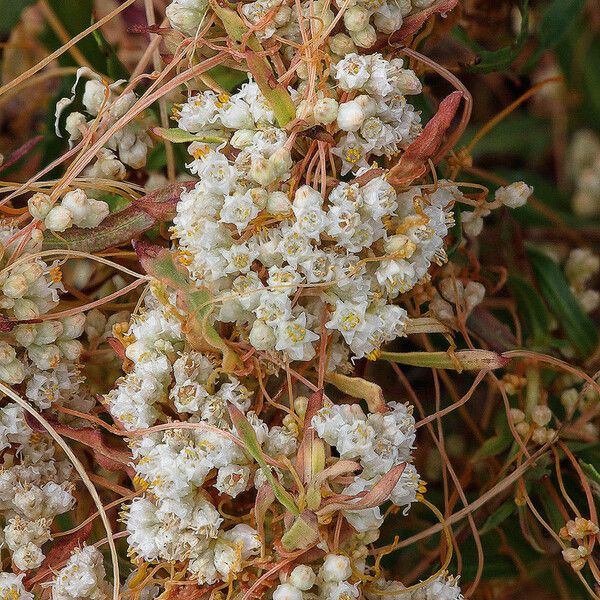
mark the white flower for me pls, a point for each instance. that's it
(352, 72)
(234, 547)
(232, 479)
(287, 591)
(295, 339)
(11, 587)
(350, 116)
(514, 195)
(348, 318)
(239, 210)
(83, 577)
(353, 153)
(336, 567)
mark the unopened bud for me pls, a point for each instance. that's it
(39, 205)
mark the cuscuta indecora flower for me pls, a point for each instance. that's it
(293, 265)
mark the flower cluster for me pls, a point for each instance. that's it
(128, 146)
(35, 487)
(83, 577)
(75, 208)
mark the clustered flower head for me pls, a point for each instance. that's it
(260, 466)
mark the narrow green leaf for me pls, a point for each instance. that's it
(506, 510)
(248, 436)
(463, 360)
(557, 19)
(531, 308)
(179, 136)
(591, 472)
(502, 59)
(577, 325)
(161, 264)
(276, 94)
(114, 67)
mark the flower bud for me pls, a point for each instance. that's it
(7, 353)
(75, 125)
(135, 155)
(95, 95)
(262, 336)
(336, 567)
(122, 104)
(541, 415)
(13, 373)
(285, 591)
(302, 577)
(569, 399)
(25, 334)
(364, 38)
(341, 44)
(186, 16)
(259, 197)
(356, 18)
(389, 23)
(472, 224)
(85, 212)
(39, 205)
(262, 171)
(514, 195)
(15, 286)
(242, 138)
(518, 416)
(278, 203)
(281, 161)
(474, 294)
(73, 326)
(350, 116)
(44, 357)
(58, 219)
(325, 111)
(47, 332)
(95, 323)
(70, 349)
(300, 406)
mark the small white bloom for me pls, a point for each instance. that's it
(514, 195)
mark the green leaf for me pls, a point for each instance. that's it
(276, 94)
(506, 510)
(229, 79)
(75, 17)
(590, 472)
(502, 59)
(114, 67)
(557, 19)
(532, 310)
(498, 443)
(160, 263)
(11, 13)
(179, 136)
(463, 360)
(577, 325)
(248, 436)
